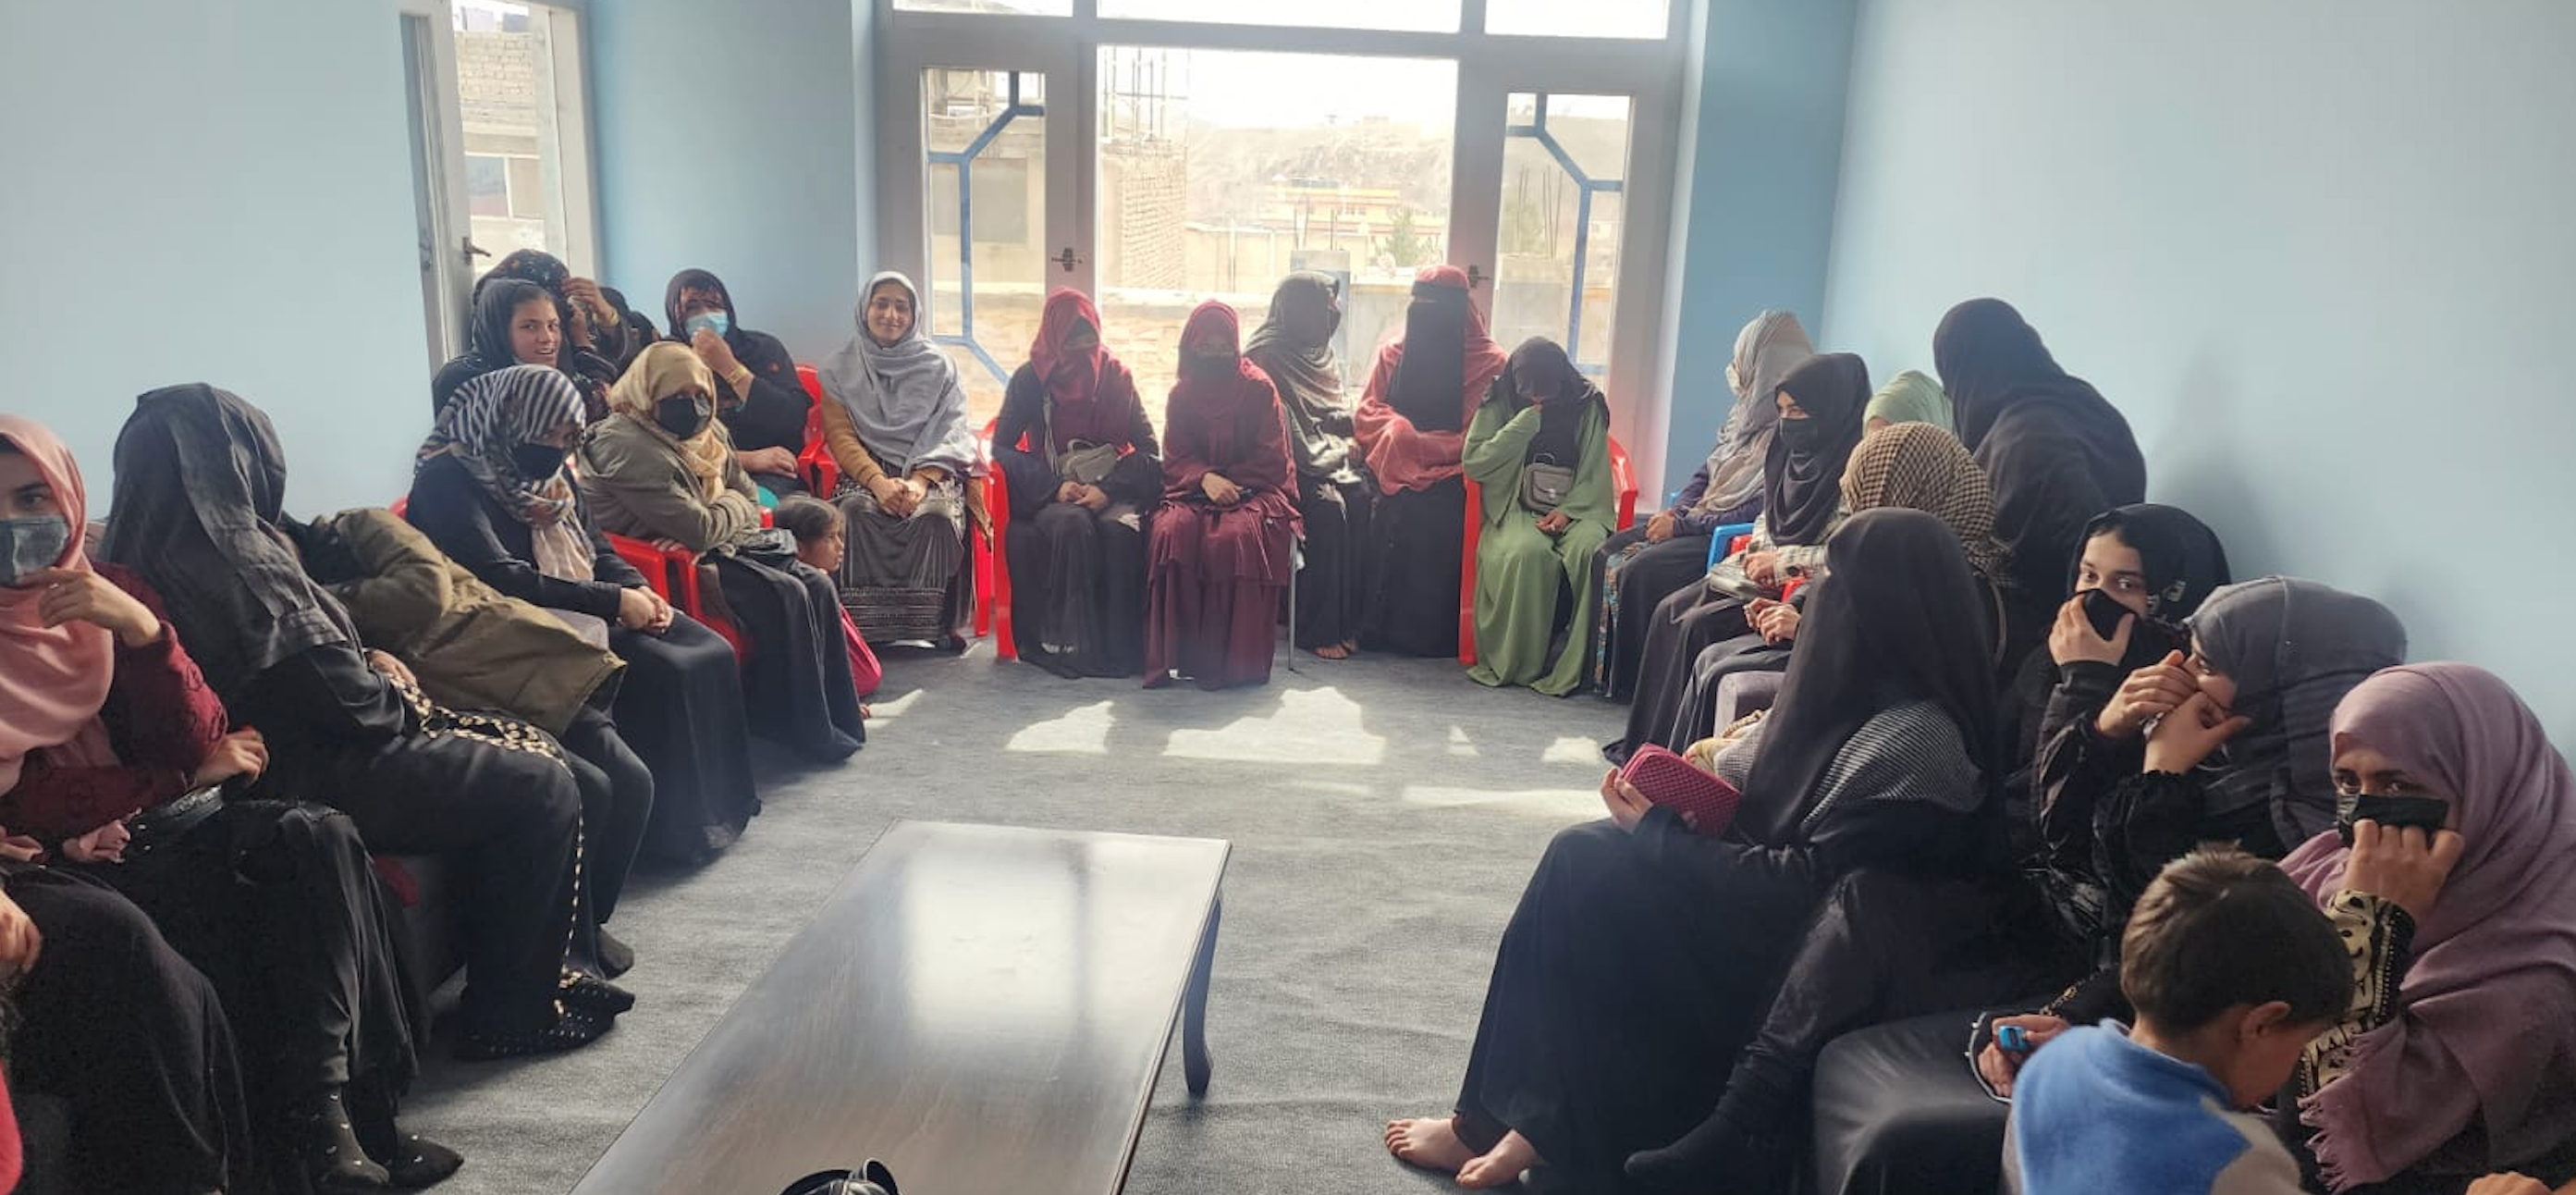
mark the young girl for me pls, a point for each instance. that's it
(820, 535)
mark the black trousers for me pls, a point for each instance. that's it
(1078, 590)
(509, 820)
(1415, 539)
(681, 707)
(1332, 598)
(616, 806)
(121, 1027)
(796, 678)
(1628, 594)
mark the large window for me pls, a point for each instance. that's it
(1159, 154)
(501, 161)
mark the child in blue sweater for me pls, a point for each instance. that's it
(2231, 969)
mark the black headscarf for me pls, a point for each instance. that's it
(1433, 373)
(2056, 451)
(1802, 490)
(1543, 365)
(2182, 559)
(1308, 374)
(496, 305)
(696, 279)
(1900, 618)
(199, 484)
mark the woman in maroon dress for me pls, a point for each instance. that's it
(1219, 557)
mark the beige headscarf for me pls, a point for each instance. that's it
(1922, 467)
(664, 369)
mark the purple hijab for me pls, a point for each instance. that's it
(2485, 1031)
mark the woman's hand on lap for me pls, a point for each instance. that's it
(105, 844)
(1069, 491)
(390, 667)
(636, 608)
(19, 941)
(1219, 490)
(1627, 806)
(2073, 638)
(1763, 568)
(78, 595)
(1660, 527)
(1092, 498)
(1999, 1066)
(241, 753)
(1555, 522)
(1778, 623)
(2402, 865)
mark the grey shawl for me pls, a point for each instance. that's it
(904, 399)
(1765, 351)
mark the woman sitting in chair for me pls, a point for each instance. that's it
(894, 418)
(758, 396)
(1084, 472)
(1223, 543)
(1540, 450)
(1411, 427)
(661, 468)
(582, 329)
(491, 491)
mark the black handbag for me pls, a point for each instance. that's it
(1545, 485)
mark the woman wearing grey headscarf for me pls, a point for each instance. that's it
(1639, 567)
(894, 418)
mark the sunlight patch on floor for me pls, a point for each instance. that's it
(1460, 745)
(1570, 748)
(1330, 732)
(1569, 803)
(1082, 730)
(892, 707)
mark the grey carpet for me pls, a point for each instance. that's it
(1384, 815)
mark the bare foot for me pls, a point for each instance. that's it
(1501, 1165)
(866, 712)
(1430, 1142)
(1333, 651)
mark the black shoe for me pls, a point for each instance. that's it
(571, 1030)
(614, 957)
(597, 997)
(326, 1146)
(411, 1161)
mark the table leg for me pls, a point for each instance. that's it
(1195, 1064)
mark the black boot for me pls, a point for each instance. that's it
(326, 1146)
(1742, 1145)
(411, 1161)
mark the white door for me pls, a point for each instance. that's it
(438, 184)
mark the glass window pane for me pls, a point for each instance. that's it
(1593, 18)
(1435, 16)
(1564, 163)
(505, 86)
(984, 134)
(1222, 171)
(1034, 8)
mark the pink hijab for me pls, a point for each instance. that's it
(53, 680)
(2486, 1028)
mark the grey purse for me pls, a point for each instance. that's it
(1545, 485)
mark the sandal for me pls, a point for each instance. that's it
(571, 1030)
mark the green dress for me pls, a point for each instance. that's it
(1521, 570)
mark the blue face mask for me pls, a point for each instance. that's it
(713, 321)
(32, 545)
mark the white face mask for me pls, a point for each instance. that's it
(32, 545)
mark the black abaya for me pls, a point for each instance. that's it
(796, 675)
(1635, 584)
(1415, 541)
(124, 1030)
(279, 907)
(1078, 589)
(1332, 593)
(1682, 626)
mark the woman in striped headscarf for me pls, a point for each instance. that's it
(491, 490)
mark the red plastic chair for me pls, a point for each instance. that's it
(993, 564)
(1622, 477)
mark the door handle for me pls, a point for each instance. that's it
(1475, 276)
(1066, 259)
(473, 250)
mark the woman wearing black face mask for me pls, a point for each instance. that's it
(491, 491)
(662, 468)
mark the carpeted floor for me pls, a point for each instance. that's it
(1384, 814)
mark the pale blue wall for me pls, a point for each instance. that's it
(2319, 251)
(1762, 150)
(734, 141)
(219, 191)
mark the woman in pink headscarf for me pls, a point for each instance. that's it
(2458, 1056)
(1217, 563)
(1412, 428)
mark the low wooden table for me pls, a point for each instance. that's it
(983, 1008)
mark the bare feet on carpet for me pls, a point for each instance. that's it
(1430, 1142)
(1334, 651)
(1502, 1165)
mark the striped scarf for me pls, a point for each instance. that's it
(1921, 467)
(496, 413)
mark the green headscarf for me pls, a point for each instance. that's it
(1911, 397)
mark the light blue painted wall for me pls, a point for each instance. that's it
(219, 191)
(1762, 153)
(2319, 251)
(736, 143)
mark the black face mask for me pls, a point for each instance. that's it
(1802, 435)
(2426, 813)
(537, 462)
(682, 416)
